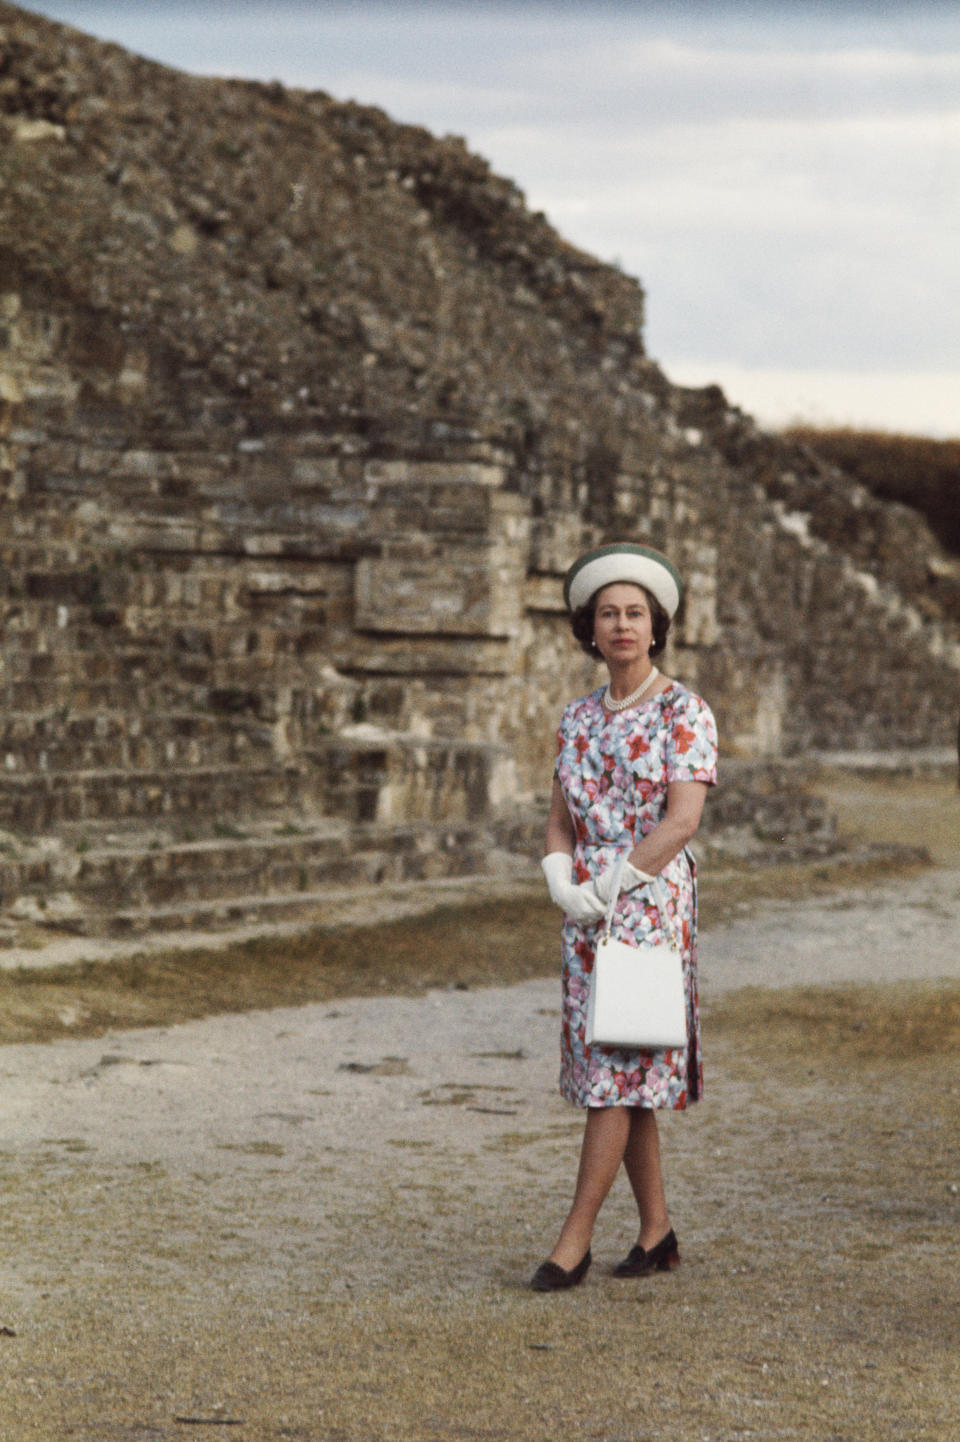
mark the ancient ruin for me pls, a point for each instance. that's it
(303, 415)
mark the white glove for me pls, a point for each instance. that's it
(630, 878)
(579, 902)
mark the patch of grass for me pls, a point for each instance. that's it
(253, 1149)
(915, 810)
(492, 942)
(896, 1022)
(69, 1144)
(452, 1099)
(727, 895)
(514, 1141)
(479, 945)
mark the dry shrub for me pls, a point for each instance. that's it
(915, 470)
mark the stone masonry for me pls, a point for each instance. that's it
(302, 418)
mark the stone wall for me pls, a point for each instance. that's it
(289, 492)
(302, 586)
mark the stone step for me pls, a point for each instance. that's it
(246, 910)
(53, 695)
(113, 645)
(68, 664)
(69, 740)
(363, 774)
(103, 682)
(767, 807)
(211, 691)
(155, 592)
(44, 595)
(369, 774)
(100, 866)
(40, 802)
(119, 890)
(153, 497)
(22, 555)
(86, 654)
(226, 866)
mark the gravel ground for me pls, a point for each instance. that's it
(318, 1222)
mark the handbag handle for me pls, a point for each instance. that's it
(658, 889)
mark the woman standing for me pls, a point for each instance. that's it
(635, 759)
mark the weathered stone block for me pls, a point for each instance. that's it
(544, 593)
(434, 657)
(428, 473)
(315, 471)
(10, 387)
(460, 591)
(698, 566)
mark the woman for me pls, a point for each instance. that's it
(635, 759)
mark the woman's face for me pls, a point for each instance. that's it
(622, 624)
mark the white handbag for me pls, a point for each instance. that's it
(636, 992)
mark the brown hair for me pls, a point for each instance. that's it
(581, 623)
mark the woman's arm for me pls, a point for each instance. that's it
(576, 900)
(560, 832)
(684, 808)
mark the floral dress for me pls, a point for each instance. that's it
(614, 770)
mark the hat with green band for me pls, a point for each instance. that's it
(636, 565)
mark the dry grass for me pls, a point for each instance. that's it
(406, 957)
(913, 810)
(486, 944)
(816, 1190)
(896, 1022)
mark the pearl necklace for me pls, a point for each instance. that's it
(634, 696)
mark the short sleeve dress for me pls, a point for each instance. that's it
(614, 769)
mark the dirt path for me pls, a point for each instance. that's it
(317, 1222)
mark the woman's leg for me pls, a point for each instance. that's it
(641, 1158)
(605, 1138)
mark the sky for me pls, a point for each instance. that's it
(783, 176)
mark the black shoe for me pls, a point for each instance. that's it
(550, 1276)
(661, 1258)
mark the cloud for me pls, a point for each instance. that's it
(783, 243)
(924, 402)
(783, 207)
(784, 179)
(663, 82)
